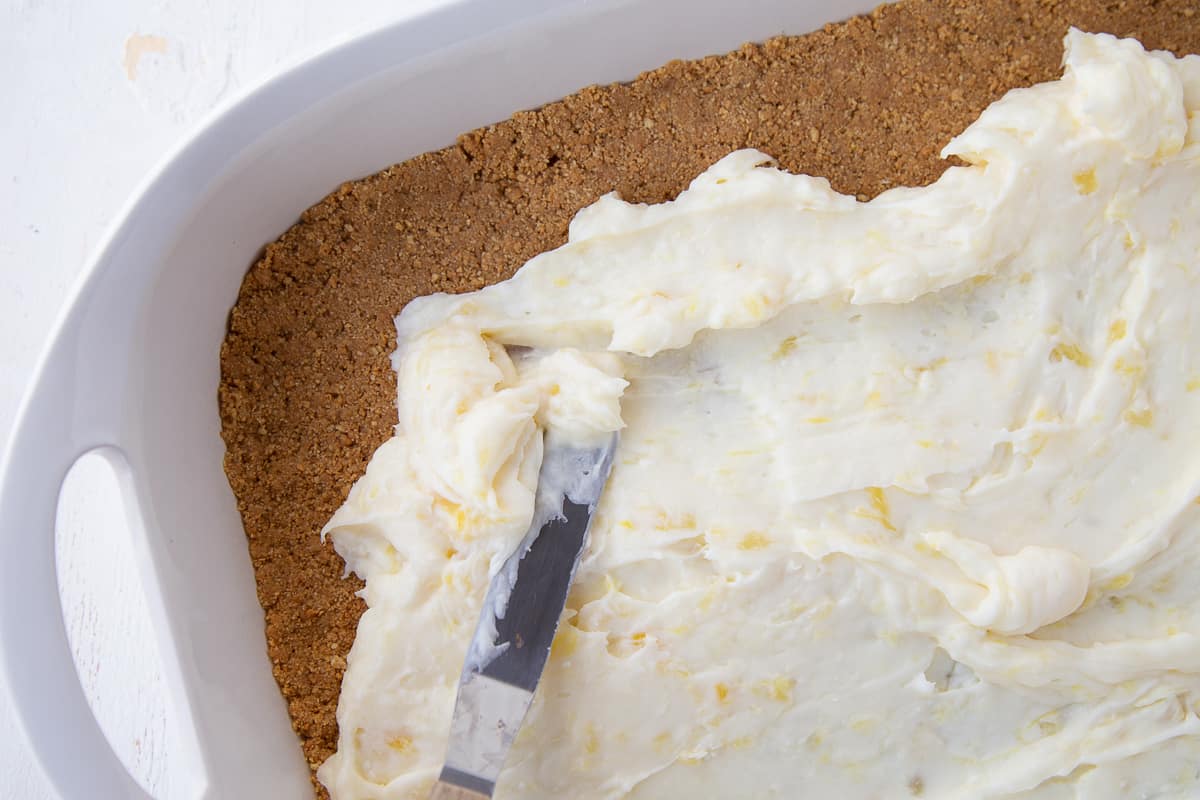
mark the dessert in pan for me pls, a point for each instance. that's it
(903, 503)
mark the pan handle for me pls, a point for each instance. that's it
(36, 665)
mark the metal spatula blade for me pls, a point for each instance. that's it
(519, 619)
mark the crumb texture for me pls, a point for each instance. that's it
(307, 392)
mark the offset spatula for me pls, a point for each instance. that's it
(519, 619)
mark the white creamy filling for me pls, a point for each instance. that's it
(906, 497)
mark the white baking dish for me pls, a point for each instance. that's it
(133, 366)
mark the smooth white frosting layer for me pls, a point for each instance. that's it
(906, 497)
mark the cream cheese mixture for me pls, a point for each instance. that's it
(907, 500)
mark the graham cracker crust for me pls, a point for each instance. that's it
(307, 391)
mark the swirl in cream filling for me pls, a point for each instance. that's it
(906, 498)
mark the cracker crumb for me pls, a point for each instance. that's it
(307, 391)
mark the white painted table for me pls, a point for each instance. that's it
(94, 96)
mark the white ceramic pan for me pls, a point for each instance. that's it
(133, 366)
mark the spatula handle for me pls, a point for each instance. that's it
(448, 791)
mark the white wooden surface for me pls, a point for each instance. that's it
(93, 95)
